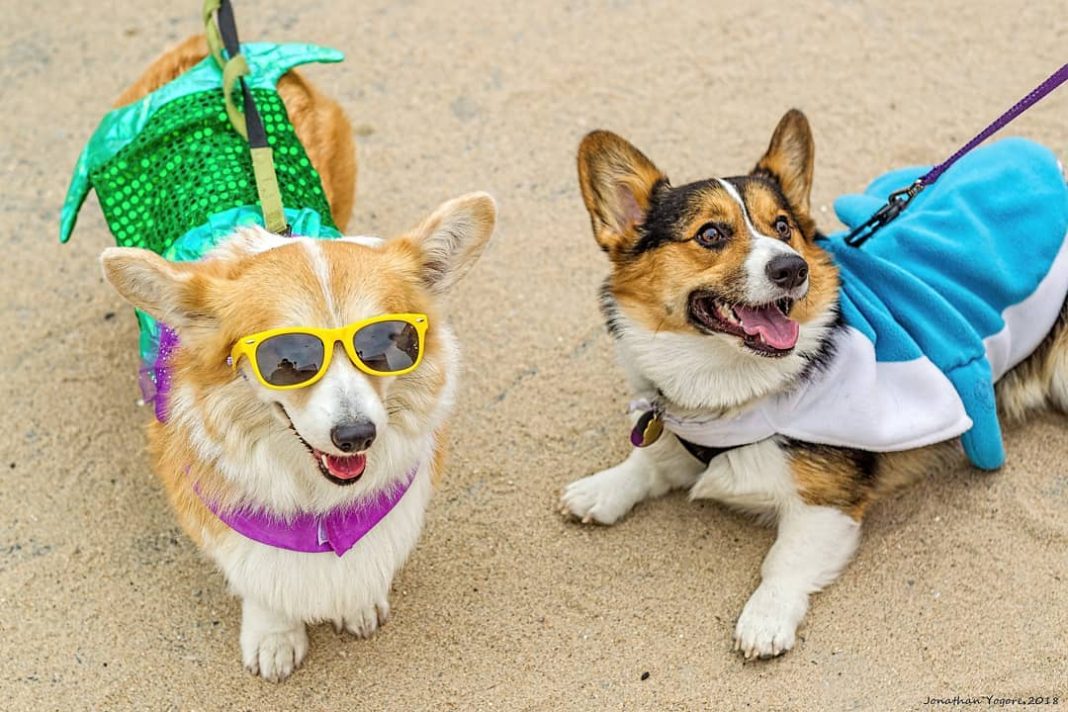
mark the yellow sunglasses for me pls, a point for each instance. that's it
(297, 357)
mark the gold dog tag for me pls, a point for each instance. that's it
(647, 430)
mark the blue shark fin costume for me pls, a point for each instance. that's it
(938, 306)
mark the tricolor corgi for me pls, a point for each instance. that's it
(796, 377)
(302, 385)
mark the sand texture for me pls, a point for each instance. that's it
(960, 586)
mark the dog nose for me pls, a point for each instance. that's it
(787, 271)
(353, 437)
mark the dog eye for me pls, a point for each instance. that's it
(782, 227)
(711, 235)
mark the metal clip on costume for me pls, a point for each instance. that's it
(897, 201)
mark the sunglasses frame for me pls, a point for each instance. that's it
(247, 346)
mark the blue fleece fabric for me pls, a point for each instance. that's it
(935, 281)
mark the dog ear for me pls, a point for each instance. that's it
(790, 158)
(171, 292)
(453, 237)
(618, 183)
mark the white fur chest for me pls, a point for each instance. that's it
(323, 586)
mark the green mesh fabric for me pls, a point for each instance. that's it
(173, 176)
(188, 164)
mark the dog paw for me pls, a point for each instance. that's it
(274, 655)
(769, 621)
(602, 498)
(364, 622)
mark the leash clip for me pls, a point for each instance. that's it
(895, 204)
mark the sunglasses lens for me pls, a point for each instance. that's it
(388, 346)
(289, 359)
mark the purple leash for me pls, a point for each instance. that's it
(899, 200)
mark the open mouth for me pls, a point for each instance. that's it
(342, 470)
(765, 329)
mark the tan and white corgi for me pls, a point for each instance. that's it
(726, 311)
(303, 465)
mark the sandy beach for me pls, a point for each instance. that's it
(960, 587)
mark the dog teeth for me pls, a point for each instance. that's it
(726, 313)
(323, 458)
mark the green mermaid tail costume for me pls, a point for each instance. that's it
(173, 176)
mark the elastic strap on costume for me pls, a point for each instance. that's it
(274, 216)
(221, 35)
(235, 68)
(211, 30)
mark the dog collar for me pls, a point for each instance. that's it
(650, 426)
(336, 531)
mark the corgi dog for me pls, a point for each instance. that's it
(758, 384)
(308, 383)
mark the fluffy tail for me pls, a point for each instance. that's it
(1040, 382)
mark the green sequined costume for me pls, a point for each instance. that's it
(173, 176)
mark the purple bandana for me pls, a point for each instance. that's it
(336, 531)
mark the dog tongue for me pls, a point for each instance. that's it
(346, 468)
(778, 331)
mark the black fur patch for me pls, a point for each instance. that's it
(670, 207)
(857, 470)
(821, 360)
(865, 463)
(610, 309)
(703, 453)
